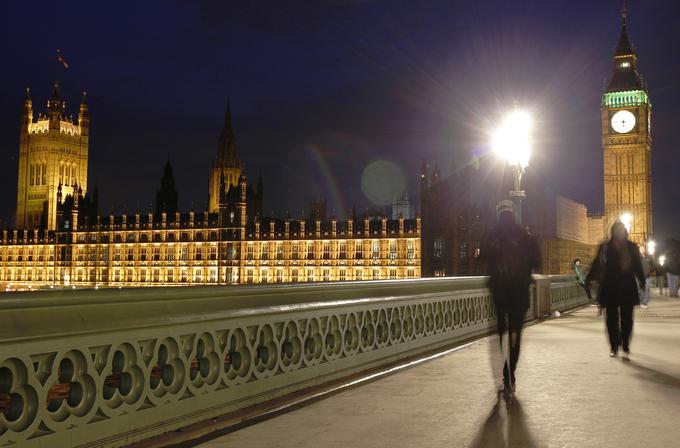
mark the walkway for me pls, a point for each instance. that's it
(569, 394)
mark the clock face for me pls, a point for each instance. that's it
(623, 121)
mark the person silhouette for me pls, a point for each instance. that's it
(616, 267)
(511, 254)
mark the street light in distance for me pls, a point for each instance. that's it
(651, 247)
(512, 142)
(627, 220)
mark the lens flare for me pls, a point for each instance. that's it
(512, 141)
(382, 181)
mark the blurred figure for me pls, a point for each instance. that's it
(672, 267)
(580, 277)
(616, 266)
(510, 254)
(660, 273)
(647, 269)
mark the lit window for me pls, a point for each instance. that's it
(625, 64)
(438, 248)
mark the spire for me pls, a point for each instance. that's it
(423, 171)
(55, 90)
(624, 47)
(27, 116)
(624, 13)
(626, 76)
(166, 196)
(84, 116)
(226, 153)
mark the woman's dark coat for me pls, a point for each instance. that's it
(616, 286)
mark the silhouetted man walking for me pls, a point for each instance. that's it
(511, 254)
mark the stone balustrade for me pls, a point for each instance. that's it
(110, 367)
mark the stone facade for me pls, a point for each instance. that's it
(231, 243)
(572, 220)
(195, 249)
(53, 153)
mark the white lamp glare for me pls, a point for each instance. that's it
(651, 247)
(627, 220)
(512, 140)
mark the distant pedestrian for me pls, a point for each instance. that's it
(581, 278)
(511, 254)
(647, 269)
(660, 273)
(672, 267)
(616, 267)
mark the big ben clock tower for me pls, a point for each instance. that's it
(627, 141)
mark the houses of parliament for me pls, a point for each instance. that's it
(61, 240)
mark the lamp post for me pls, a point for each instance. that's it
(512, 142)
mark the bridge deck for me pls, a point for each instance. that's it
(569, 394)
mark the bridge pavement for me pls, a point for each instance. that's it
(569, 394)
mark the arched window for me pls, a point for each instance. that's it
(32, 175)
(44, 173)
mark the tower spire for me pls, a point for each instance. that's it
(624, 47)
(625, 76)
(624, 13)
(226, 155)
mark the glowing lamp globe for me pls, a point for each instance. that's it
(627, 220)
(512, 140)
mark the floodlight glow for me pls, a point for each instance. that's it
(627, 220)
(662, 260)
(512, 141)
(651, 247)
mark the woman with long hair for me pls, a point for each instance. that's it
(617, 266)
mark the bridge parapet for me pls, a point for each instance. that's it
(111, 367)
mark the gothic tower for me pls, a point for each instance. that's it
(53, 151)
(166, 196)
(226, 164)
(627, 142)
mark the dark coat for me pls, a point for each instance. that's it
(617, 286)
(511, 254)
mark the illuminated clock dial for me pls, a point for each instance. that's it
(623, 121)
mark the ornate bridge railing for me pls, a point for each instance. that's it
(110, 367)
(565, 293)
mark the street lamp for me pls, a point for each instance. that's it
(651, 247)
(512, 142)
(627, 220)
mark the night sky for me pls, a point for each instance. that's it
(326, 91)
